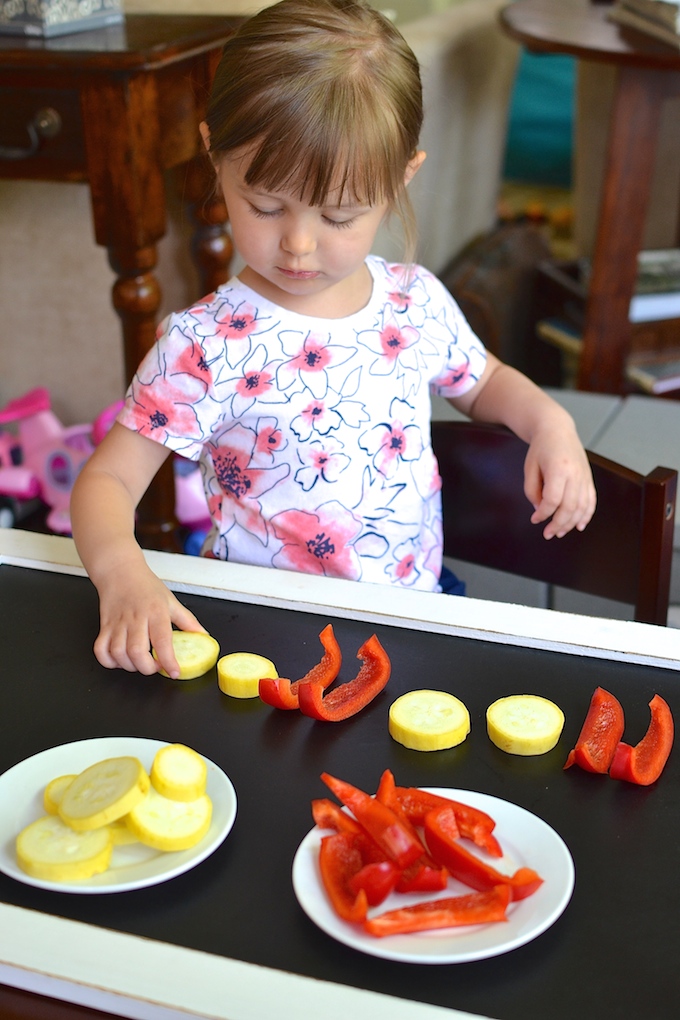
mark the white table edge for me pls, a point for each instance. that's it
(479, 619)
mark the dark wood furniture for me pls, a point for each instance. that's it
(648, 75)
(117, 107)
(625, 553)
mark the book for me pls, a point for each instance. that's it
(655, 374)
(658, 271)
(652, 372)
(657, 288)
(631, 19)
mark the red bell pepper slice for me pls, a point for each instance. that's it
(328, 815)
(281, 693)
(349, 698)
(600, 733)
(470, 908)
(644, 763)
(424, 875)
(377, 879)
(379, 821)
(472, 823)
(444, 845)
(340, 859)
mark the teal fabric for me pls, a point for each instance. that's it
(540, 133)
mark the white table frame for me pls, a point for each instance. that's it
(148, 980)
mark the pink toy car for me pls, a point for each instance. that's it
(41, 459)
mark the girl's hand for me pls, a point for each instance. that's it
(558, 481)
(138, 615)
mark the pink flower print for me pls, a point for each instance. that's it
(256, 382)
(167, 410)
(401, 300)
(390, 443)
(233, 324)
(236, 323)
(456, 380)
(240, 483)
(317, 416)
(403, 569)
(269, 438)
(321, 460)
(394, 340)
(318, 542)
(391, 346)
(309, 362)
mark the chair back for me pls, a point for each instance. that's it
(625, 553)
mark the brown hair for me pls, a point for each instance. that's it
(326, 93)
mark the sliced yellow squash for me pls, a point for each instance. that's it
(524, 724)
(54, 791)
(50, 850)
(170, 824)
(179, 773)
(104, 792)
(120, 832)
(239, 673)
(195, 652)
(428, 720)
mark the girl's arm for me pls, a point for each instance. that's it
(136, 609)
(558, 481)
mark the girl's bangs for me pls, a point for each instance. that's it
(326, 167)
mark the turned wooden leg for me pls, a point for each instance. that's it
(212, 248)
(136, 298)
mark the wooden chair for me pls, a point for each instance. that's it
(624, 554)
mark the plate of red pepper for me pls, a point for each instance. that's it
(364, 883)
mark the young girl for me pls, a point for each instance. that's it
(303, 385)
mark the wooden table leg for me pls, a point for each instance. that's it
(212, 247)
(129, 211)
(629, 168)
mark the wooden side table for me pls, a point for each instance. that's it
(648, 75)
(116, 107)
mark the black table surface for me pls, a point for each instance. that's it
(613, 953)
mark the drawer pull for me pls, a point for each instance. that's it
(46, 123)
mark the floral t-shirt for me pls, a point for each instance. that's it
(314, 434)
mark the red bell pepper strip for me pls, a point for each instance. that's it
(377, 879)
(340, 859)
(440, 835)
(379, 821)
(327, 815)
(472, 823)
(644, 763)
(349, 698)
(600, 733)
(281, 693)
(470, 908)
(424, 875)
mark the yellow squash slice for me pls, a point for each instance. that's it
(195, 652)
(428, 720)
(170, 824)
(239, 673)
(179, 773)
(54, 791)
(104, 792)
(524, 724)
(120, 833)
(50, 850)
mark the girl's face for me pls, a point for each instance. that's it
(308, 259)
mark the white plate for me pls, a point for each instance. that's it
(527, 841)
(133, 866)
